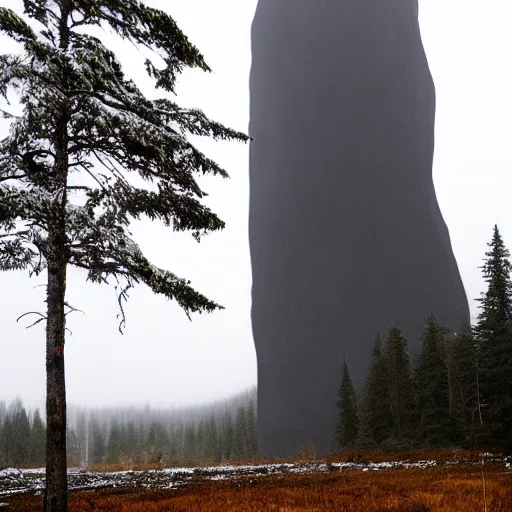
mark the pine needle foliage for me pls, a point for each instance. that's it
(347, 426)
(400, 384)
(463, 368)
(376, 410)
(493, 334)
(495, 315)
(432, 385)
(84, 122)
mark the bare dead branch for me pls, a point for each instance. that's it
(42, 319)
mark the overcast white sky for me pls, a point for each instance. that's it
(163, 359)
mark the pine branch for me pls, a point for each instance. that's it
(112, 130)
(14, 27)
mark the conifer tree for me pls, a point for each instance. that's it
(228, 435)
(98, 448)
(240, 441)
(400, 385)
(347, 426)
(211, 442)
(189, 448)
(72, 446)
(156, 442)
(6, 436)
(462, 365)
(252, 436)
(200, 440)
(435, 426)
(493, 334)
(132, 442)
(37, 440)
(114, 443)
(19, 440)
(376, 409)
(84, 129)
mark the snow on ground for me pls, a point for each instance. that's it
(14, 481)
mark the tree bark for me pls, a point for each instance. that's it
(56, 466)
(57, 258)
(56, 493)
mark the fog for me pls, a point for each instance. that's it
(163, 359)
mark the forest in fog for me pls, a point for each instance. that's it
(212, 433)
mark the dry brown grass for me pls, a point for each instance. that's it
(363, 456)
(109, 467)
(441, 489)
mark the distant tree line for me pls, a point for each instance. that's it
(22, 436)
(209, 434)
(456, 393)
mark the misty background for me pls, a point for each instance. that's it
(163, 359)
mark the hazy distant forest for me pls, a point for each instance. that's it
(224, 430)
(457, 393)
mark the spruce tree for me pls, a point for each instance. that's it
(462, 365)
(240, 441)
(157, 442)
(6, 439)
(252, 435)
(72, 446)
(211, 442)
(347, 426)
(376, 413)
(37, 440)
(190, 445)
(400, 387)
(493, 334)
(114, 447)
(98, 448)
(132, 442)
(83, 130)
(435, 426)
(200, 441)
(227, 437)
(20, 433)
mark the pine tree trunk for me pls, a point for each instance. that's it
(56, 467)
(56, 495)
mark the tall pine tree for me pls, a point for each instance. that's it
(435, 425)
(347, 426)
(98, 442)
(376, 413)
(493, 334)
(84, 128)
(37, 440)
(464, 400)
(400, 387)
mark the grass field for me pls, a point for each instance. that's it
(453, 487)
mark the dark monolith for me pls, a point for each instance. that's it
(346, 234)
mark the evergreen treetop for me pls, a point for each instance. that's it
(431, 376)
(495, 315)
(400, 383)
(347, 426)
(84, 129)
(376, 410)
(493, 334)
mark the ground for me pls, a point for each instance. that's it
(455, 482)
